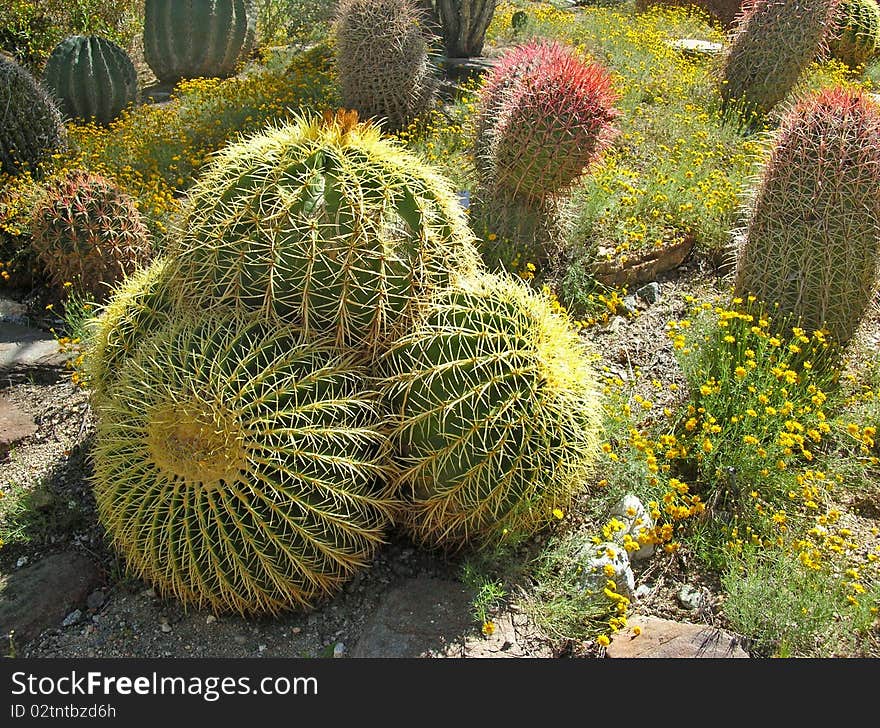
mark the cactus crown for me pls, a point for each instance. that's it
(812, 239)
(382, 60)
(89, 233)
(326, 224)
(91, 77)
(32, 124)
(241, 466)
(496, 411)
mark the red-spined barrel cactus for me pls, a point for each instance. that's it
(546, 114)
(812, 240)
(89, 233)
(496, 411)
(32, 126)
(856, 32)
(197, 38)
(242, 466)
(382, 60)
(326, 224)
(92, 78)
(772, 44)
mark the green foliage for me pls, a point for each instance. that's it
(197, 39)
(293, 21)
(325, 224)
(254, 484)
(91, 77)
(496, 414)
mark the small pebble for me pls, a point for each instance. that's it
(72, 618)
(339, 650)
(166, 627)
(21, 561)
(296, 630)
(210, 619)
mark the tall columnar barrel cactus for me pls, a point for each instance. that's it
(91, 77)
(138, 307)
(497, 414)
(32, 125)
(197, 38)
(327, 224)
(382, 60)
(545, 117)
(240, 466)
(812, 240)
(772, 44)
(89, 233)
(855, 36)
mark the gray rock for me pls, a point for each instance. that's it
(72, 618)
(339, 650)
(96, 599)
(415, 619)
(696, 48)
(665, 638)
(690, 597)
(23, 347)
(15, 425)
(635, 517)
(630, 304)
(596, 557)
(12, 312)
(42, 594)
(650, 292)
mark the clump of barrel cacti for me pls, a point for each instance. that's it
(856, 33)
(88, 233)
(545, 116)
(811, 244)
(382, 60)
(91, 77)
(496, 412)
(201, 38)
(32, 125)
(241, 466)
(772, 44)
(323, 223)
(138, 307)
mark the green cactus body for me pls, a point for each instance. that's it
(240, 466)
(772, 44)
(812, 241)
(856, 32)
(323, 224)
(32, 125)
(141, 305)
(382, 60)
(197, 38)
(91, 77)
(89, 233)
(496, 411)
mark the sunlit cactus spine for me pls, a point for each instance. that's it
(772, 44)
(88, 233)
(856, 33)
(197, 38)
(324, 223)
(92, 78)
(32, 127)
(241, 466)
(496, 414)
(382, 60)
(140, 305)
(811, 244)
(546, 115)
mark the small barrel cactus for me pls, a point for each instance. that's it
(138, 307)
(382, 60)
(32, 125)
(197, 38)
(812, 240)
(771, 45)
(88, 233)
(855, 36)
(326, 224)
(497, 414)
(240, 466)
(91, 77)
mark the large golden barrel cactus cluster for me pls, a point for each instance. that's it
(318, 359)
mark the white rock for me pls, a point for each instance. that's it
(339, 650)
(632, 513)
(595, 559)
(210, 619)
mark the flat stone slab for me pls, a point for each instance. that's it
(695, 47)
(40, 596)
(665, 638)
(15, 425)
(421, 617)
(24, 346)
(12, 311)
